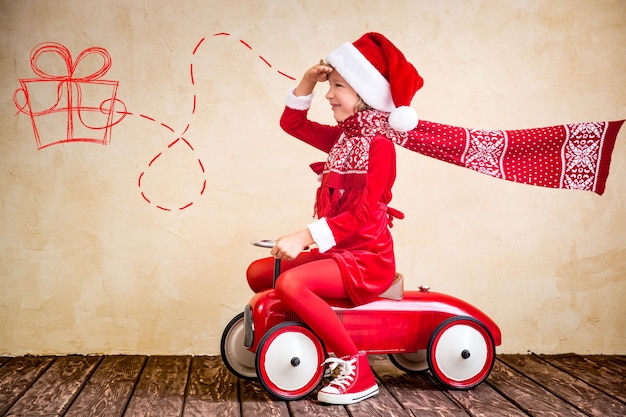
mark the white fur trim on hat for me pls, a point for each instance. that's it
(362, 76)
(404, 118)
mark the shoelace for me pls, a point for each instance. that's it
(346, 373)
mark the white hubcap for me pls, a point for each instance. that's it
(455, 341)
(291, 361)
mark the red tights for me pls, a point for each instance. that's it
(303, 285)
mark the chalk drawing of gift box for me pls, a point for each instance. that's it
(70, 102)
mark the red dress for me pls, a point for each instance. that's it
(363, 246)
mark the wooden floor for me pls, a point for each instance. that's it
(99, 386)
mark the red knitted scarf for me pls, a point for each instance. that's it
(345, 172)
(571, 156)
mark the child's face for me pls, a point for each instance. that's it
(341, 96)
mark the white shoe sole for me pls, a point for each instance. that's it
(345, 399)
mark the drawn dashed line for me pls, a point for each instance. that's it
(155, 158)
(265, 60)
(249, 47)
(167, 127)
(188, 144)
(193, 112)
(197, 46)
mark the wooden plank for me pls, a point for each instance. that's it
(619, 360)
(527, 395)
(414, 392)
(212, 389)
(256, 401)
(17, 375)
(604, 379)
(525, 385)
(383, 404)
(108, 391)
(484, 401)
(309, 407)
(576, 392)
(54, 391)
(161, 388)
(616, 363)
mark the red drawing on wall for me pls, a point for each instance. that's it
(181, 139)
(199, 166)
(75, 105)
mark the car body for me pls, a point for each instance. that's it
(420, 330)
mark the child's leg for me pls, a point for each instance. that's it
(260, 273)
(303, 290)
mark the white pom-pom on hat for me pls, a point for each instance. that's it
(381, 75)
(403, 118)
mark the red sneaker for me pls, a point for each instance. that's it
(354, 383)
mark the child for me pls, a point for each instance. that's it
(371, 86)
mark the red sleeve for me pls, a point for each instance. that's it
(380, 178)
(296, 123)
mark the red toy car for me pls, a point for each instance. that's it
(419, 330)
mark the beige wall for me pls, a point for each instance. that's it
(87, 265)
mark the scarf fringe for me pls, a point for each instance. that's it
(330, 202)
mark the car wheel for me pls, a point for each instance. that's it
(410, 362)
(289, 361)
(238, 359)
(461, 353)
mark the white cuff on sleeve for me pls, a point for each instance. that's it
(298, 102)
(322, 235)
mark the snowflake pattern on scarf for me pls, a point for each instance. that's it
(350, 155)
(581, 154)
(573, 156)
(485, 150)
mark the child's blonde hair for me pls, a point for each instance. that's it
(361, 105)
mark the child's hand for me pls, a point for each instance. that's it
(319, 72)
(289, 247)
(316, 74)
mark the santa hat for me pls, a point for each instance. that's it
(381, 75)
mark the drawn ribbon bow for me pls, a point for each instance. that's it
(71, 83)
